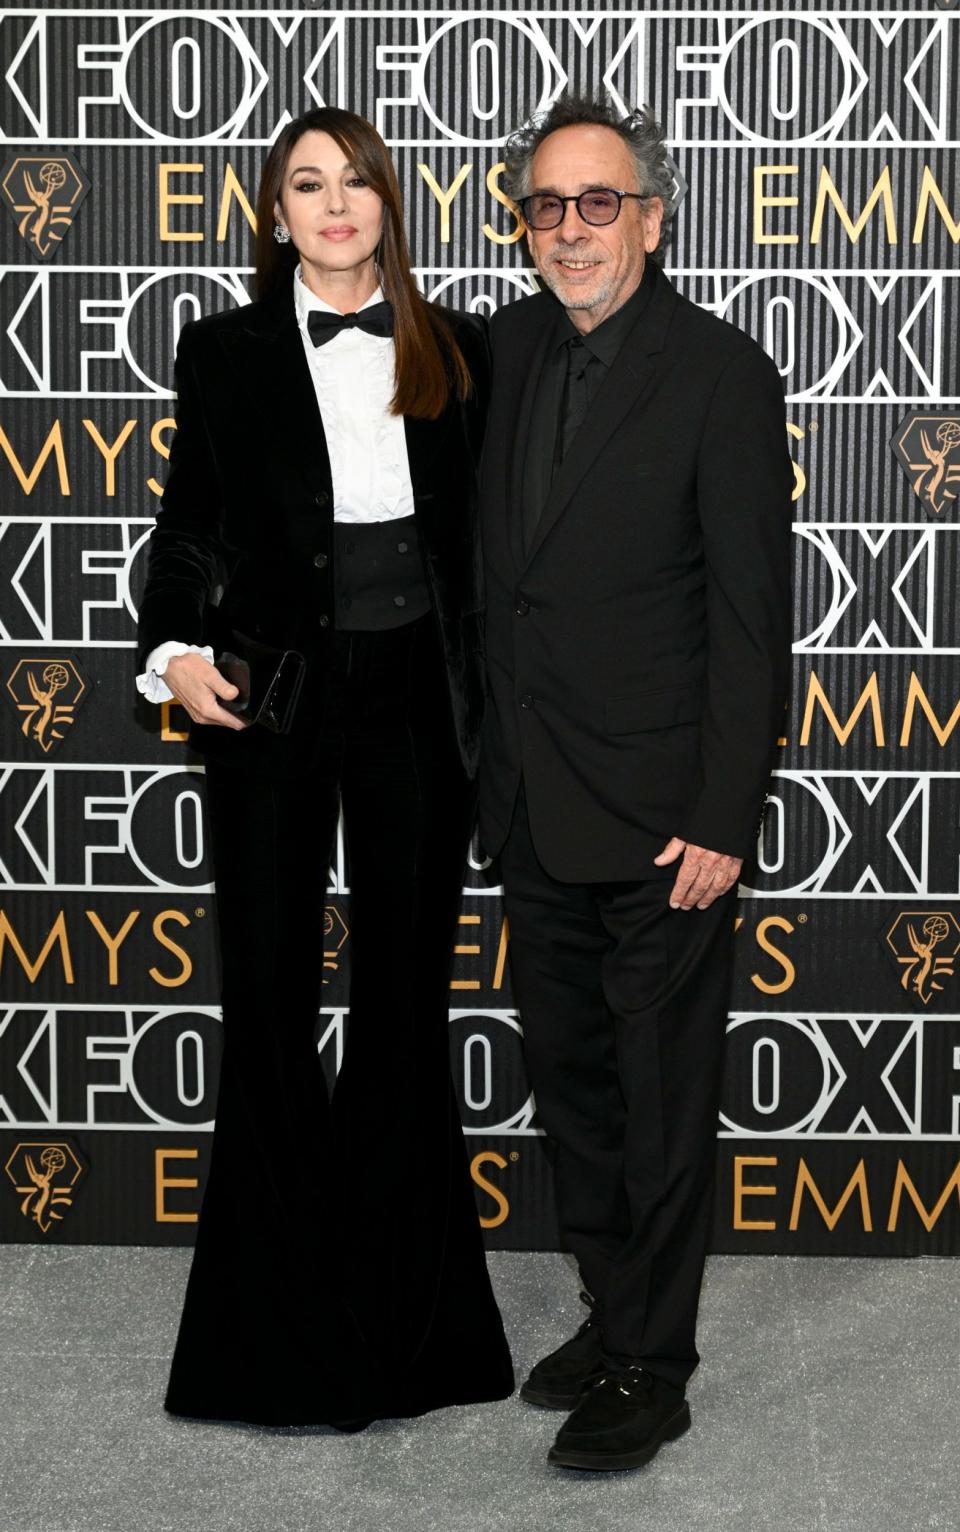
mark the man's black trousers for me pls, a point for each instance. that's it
(623, 1003)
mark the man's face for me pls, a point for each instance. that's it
(591, 268)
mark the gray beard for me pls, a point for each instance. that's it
(601, 295)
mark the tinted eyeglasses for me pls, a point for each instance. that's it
(545, 210)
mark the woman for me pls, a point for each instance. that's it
(322, 479)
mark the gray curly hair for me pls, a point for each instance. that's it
(642, 134)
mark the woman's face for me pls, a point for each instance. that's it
(333, 216)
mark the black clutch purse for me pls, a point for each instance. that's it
(268, 681)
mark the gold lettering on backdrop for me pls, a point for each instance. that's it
(502, 947)
(490, 1157)
(467, 948)
(761, 937)
(164, 1182)
(54, 445)
(109, 452)
(857, 1183)
(233, 193)
(930, 191)
(493, 187)
(445, 198)
(743, 1189)
(816, 695)
(233, 199)
(159, 445)
(170, 199)
(870, 697)
(882, 191)
(827, 191)
(473, 949)
(56, 937)
(168, 733)
(762, 200)
(915, 694)
(789, 971)
(799, 477)
(903, 1183)
(112, 943)
(186, 962)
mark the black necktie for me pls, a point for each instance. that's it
(376, 320)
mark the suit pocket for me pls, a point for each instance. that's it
(654, 710)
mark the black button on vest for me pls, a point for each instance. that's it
(378, 585)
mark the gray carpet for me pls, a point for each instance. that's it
(828, 1398)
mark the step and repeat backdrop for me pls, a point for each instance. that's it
(817, 171)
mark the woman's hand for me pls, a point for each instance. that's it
(197, 684)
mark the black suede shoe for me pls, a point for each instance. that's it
(622, 1422)
(560, 1380)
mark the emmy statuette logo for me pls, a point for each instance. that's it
(44, 1174)
(47, 692)
(925, 944)
(43, 193)
(335, 933)
(928, 449)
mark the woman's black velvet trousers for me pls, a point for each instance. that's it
(339, 1274)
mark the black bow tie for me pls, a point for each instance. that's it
(376, 320)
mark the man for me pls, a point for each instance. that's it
(636, 521)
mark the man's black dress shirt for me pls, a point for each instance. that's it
(574, 367)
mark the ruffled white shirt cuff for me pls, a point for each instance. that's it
(151, 684)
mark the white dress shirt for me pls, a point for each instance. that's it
(353, 379)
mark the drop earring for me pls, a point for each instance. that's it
(280, 234)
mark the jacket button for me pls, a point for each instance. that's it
(322, 498)
(349, 547)
(401, 547)
(345, 602)
(324, 620)
(320, 559)
(522, 607)
(526, 700)
(399, 600)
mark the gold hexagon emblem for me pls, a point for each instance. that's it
(927, 448)
(47, 692)
(44, 1173)
(335, 933)
(43, 193)
(925, 944)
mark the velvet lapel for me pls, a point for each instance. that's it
(628, 380)
(267, 349)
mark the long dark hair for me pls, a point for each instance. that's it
(429, 363)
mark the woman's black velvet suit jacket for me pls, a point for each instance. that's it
(244, 534)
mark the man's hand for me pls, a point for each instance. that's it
(197, 684)
(704, 875)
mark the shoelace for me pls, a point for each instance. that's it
(633, 1382)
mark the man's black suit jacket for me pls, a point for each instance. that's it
(638, 652)
(244, 533)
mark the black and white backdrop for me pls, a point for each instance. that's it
(816, 161)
